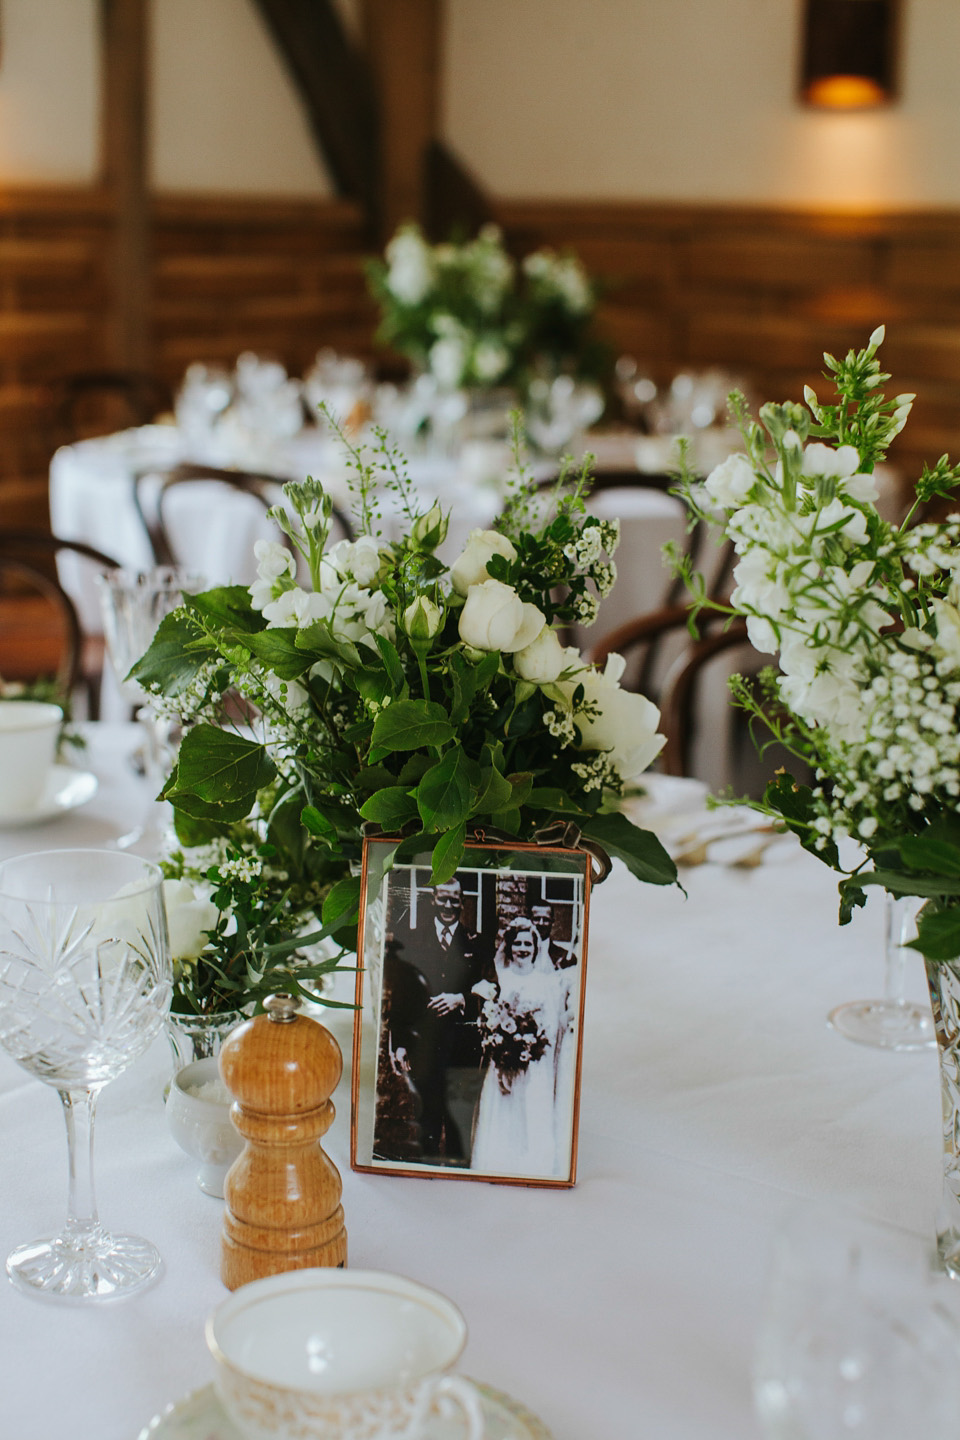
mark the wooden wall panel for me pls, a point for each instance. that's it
(761, 292)
(764, 292)
(283, 278)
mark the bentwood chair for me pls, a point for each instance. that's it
(152, 494)
(41, 636)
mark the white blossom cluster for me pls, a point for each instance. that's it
(561, 278)
(344, 598)
(868, 642)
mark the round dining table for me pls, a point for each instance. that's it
(714, 1100)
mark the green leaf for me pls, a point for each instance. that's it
(938, 934)
(317, 642)
(414, 768)
(545, 797)
(852, 897)
(375, 777)
(927, 852)
(177, 653)
(412, 725)
(496, 791)
(392, 665)
(278, 650)
(219, 770)
(507, 820)
(447, 854)
(903, 882)
(342, 905)
(639, 850)
(317, 825)
(390, 808)
(795, 803)
(196, 832)
(228, 607)
(445, 793)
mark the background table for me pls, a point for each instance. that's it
(713, 1098)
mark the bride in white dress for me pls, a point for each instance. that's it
(518, 1130)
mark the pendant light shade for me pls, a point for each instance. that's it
(849, 53)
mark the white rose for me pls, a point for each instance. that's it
(188, 916)
(626, 725)
(543, 660)
(471, 568)
(731, 482)
(495, 618)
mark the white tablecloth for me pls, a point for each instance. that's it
(214, 530)
(713, 1096)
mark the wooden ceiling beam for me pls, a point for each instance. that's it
(124, 163)
(334, 81)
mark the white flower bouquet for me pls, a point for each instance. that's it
(470, 316)
(397, 693)
(512, 1037)
(864, 617)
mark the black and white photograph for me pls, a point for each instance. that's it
(473, 994)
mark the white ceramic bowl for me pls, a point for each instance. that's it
(28, 747)
(202, 1126)
(338, 1355)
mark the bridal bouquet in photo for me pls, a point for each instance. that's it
(468, 315)
(512, 1036)
(393, 692)
(864, 616)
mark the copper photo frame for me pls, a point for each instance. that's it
(468, 1031)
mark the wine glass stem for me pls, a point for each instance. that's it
(900, 927)
(79, 1107)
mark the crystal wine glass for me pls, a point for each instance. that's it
(85, 983)
(860, 1335)
(892, 1022)
(133, 604)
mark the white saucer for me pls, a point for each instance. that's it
(200, 1417)
(65, 790)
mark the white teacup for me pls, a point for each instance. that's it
(28, 746)
(339, 1355)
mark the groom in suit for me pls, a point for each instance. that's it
(446, 954)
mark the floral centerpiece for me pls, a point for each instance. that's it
(865, 617)
(389, 691)
(470, 316)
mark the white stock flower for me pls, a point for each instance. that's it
(471, 568)
(295, 607)
(542, 660)
(188, 916)
(357, 559)
(274, 565)
(495, 618)
(731, 481)
(948, 632)
(842, 464)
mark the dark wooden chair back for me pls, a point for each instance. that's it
(97, 402)
(41, 634)
(676, 689)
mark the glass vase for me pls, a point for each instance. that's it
(943, 978)
(200, 1037)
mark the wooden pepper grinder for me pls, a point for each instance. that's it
(282, 1193)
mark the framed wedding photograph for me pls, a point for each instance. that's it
(467, 1036)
